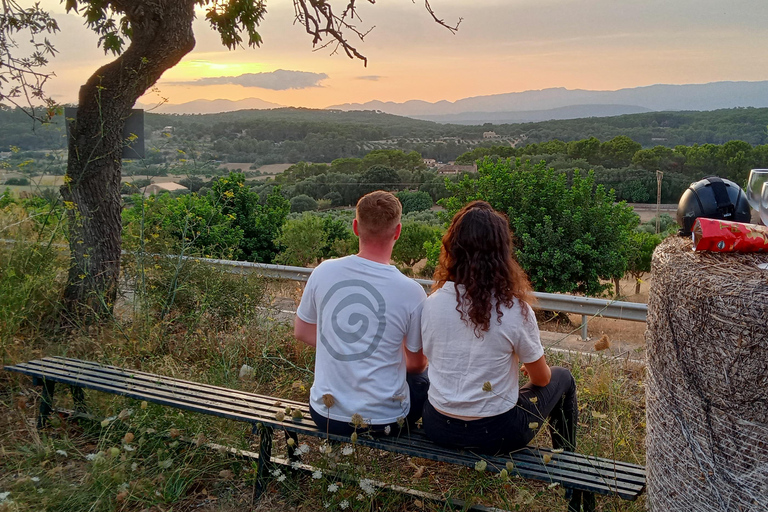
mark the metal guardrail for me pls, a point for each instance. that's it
(584, 306)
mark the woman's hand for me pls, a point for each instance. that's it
(524, 370)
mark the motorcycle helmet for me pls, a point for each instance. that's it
(712, 198)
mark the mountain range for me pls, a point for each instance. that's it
(538, 105)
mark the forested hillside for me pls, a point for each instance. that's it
(293, 134)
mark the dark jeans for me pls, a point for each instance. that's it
(418, 386)
(515, 428)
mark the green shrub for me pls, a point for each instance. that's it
(414, 201)
(303, 240)
(303, 203)
(17, 181)
(409, 248)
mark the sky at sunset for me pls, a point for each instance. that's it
(502, 46)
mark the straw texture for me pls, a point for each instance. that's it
(707, 389)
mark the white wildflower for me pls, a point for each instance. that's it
(35, 479)
(165, 464)
(61, 452)
(326, 504)
(343, 505)
(317, 475)
(366, 484)
(4, 496)
(302, 449)
(387, 429)
(333, 487)
(281, 478)
(360, 497)
(276, 472)
(134, 466)
(123, 487)
(296, 464)
(128, 448)
(40, 491)
(347, 450)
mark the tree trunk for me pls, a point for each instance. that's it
(617, 286)
(161, 36)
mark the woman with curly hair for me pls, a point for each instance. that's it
(477, 327)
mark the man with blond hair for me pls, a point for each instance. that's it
(364, 318)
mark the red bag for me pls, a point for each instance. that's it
(726, 236)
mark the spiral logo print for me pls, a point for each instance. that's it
(357, 309)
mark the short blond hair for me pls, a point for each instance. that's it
(378, 214)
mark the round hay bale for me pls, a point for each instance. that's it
(707, 389)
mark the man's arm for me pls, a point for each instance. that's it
(415, 362)
(305, 332)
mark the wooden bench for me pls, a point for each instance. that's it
(582, 476)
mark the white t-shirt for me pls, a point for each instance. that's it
(460, 363)
(363, 311)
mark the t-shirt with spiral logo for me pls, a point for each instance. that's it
(363, 311)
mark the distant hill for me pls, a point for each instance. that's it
(481, 109)
(532, 116)
(210, 106)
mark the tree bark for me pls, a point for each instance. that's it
(161, 36)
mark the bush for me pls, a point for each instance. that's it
(303, 203)
(303, 240)
(568, 237)
(409, 248)
(414, 201)
(17, 181)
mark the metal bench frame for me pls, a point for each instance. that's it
(582, 476)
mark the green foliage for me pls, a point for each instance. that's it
(303, 203)
(186, 291)
(189, 224)
(193, 183)
(340, 241)
(409, 248)
(303, 240)
(414, 201)
(667, 225)
(432, 250)
(259, 221)
(378, 177)
(641, 247)
(6, 198)
(568, 237)
(17, 181)
(32, 270)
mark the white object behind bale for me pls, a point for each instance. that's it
(707, 390)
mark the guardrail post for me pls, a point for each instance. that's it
(584, 322)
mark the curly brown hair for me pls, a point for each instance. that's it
(477, 253)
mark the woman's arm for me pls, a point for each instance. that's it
(538, 371)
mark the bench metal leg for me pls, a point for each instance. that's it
(78, 397)
(46, 400)
(581, 501)
(292, 449)
(588, 503)
(265, 455)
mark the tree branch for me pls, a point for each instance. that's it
(328, 28)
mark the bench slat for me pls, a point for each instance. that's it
(572, 470)
(251, 400)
